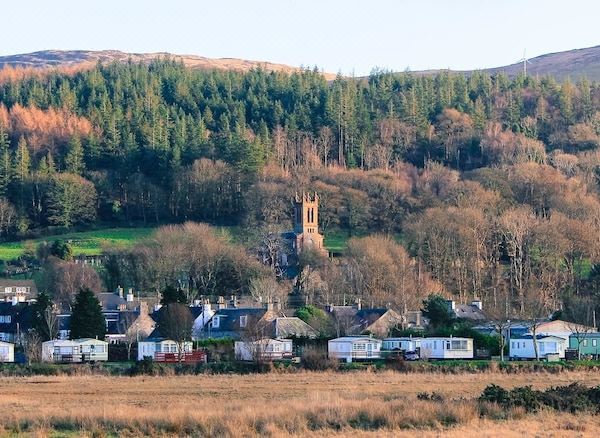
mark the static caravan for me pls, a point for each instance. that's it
(77, 350)
(523, 348)
(587, 343)
(7, 352)
(401, 344)
(349, 348)
(264, 349)
(447, 348)
(163, 350)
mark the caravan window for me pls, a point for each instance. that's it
(593, 342)
(459, 344)
(585, 342)
(359, 347)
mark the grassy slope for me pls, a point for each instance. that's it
(88, 242)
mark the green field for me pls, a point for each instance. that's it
(83, 243)
(92, 242)
(336, 241)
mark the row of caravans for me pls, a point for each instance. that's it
(349, 348)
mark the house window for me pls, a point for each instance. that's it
(243, 320)
(215, 322)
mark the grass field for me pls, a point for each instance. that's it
(278, 404)
(84, 243)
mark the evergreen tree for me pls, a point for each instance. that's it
(172, 295)
(5, 164)
(74, 159)
(43, 317)
(437, 311)
(21, 162)
(87, 320)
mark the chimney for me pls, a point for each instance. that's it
(233, 301)
(451, 304)
(358, 304)
(15, 300)
(120, 291)
(221, 303)
(130, 295)
(206, 306)
(196, 303)
(477, 303)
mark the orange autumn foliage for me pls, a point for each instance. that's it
(44, 129)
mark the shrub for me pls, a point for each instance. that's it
(316, 360)
(573, 398)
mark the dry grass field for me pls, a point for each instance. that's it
(274, 404)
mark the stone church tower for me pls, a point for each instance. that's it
(306, 223)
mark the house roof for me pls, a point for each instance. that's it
(20, 313)
(587, 335)
(89, 341)
(110, 300)
(405, 338)
(469, 311)
(355, 339)
(446, 338)
(539, 337)
(285, 327)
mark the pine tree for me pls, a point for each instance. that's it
(74, 159)
(5, 165)
(21, 162)
(87, 320)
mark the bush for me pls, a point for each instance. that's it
(146, 366)
(573, 398)
(316, 360)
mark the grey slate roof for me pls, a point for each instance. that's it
(286, 327)
(468, 311)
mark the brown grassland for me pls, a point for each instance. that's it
(277, 404)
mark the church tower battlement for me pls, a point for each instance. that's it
(306, 223)
(306, 213)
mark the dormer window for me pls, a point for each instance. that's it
(243, 320)
(215, 322)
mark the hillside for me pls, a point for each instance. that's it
(69, 58)
(574, 64)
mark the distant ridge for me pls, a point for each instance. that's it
(69, 58)
(574, 64)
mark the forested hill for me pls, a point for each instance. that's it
(81, 59)
(490, 183)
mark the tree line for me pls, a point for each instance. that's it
(487, 186)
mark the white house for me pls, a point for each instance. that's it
(77, 350)
(263, 349)
(161, 350)
(7, 352)
(446, 348)
(402, 344)
(351, 348)
(522, 347)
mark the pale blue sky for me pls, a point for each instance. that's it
(335, 35)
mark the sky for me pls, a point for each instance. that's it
(350, 36)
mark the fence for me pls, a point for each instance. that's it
(188, 357)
